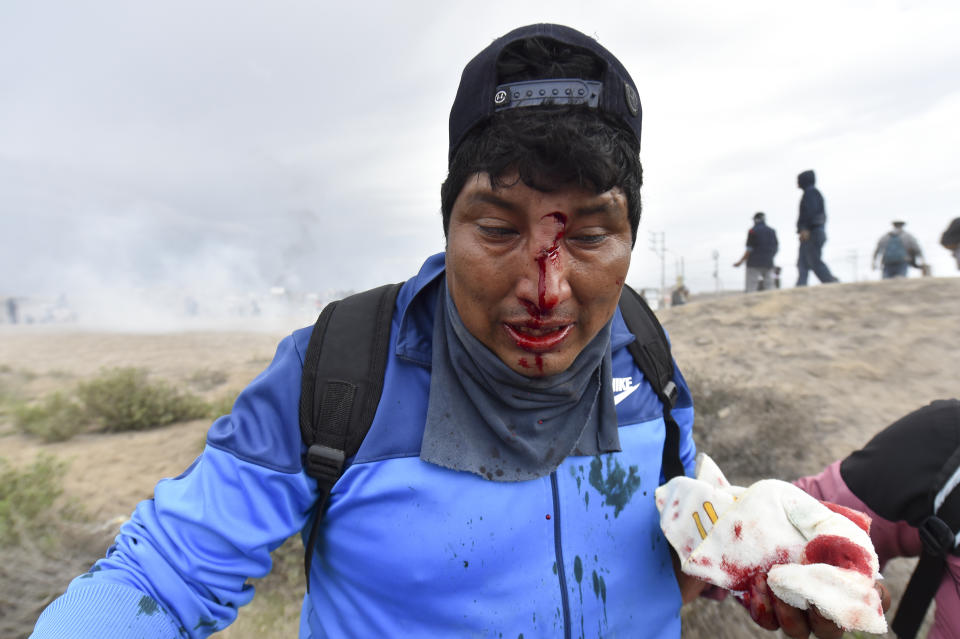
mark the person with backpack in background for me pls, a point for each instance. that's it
(762, 246)
(907, 479)
(897, 250)
(811, 223)
(950, 239)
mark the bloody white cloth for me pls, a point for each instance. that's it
(811, 552)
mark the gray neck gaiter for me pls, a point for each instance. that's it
(487, 419)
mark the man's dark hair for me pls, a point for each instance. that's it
(549, 146)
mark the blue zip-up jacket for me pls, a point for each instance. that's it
(405, 548)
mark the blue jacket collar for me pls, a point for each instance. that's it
(417, 302)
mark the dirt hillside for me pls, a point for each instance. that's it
(851, 357)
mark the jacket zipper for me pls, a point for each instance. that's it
(561, 573)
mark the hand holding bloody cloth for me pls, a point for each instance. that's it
(772, 541)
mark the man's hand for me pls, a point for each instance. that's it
(804, 234)
(771, 613)
(690, 587)
(766, 609)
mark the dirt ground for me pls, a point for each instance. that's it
(862, 354)
(785, 382)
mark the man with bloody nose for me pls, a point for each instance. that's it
(505, 485)
(535, 275)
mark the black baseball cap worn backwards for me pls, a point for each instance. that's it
(480, 96)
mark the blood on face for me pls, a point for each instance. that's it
(547, 257)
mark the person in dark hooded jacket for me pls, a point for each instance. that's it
(950, 239)
(810, 229)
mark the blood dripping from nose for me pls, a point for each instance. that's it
(549, 254)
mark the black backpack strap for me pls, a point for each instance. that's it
(938, 532)
(342, 382)
(920, 591)
(651, 351)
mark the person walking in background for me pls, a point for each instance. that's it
(680, 293)
(810, 229)
(950, 239)
(762, 245)
(897, 250)
(12, 310)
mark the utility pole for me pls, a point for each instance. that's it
(658, 246)
(716, 271)
(853, 258)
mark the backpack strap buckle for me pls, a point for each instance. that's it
(670, 391)
(937, 537)
(324, 463)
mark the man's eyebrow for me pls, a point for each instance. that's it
(488, 197)
(600, 208)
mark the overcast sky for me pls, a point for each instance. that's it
(216, 145)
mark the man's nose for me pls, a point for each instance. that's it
(546, 282)
(552, 285)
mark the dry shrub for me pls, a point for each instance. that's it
(222, 404)
(119, 399)
(43, 544)
(56, 418)
(25, 494)
(207, 379)
(35, 573)
(11, 388)
(124, 399)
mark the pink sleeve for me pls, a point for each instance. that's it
(946, 617)
(890, 538)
